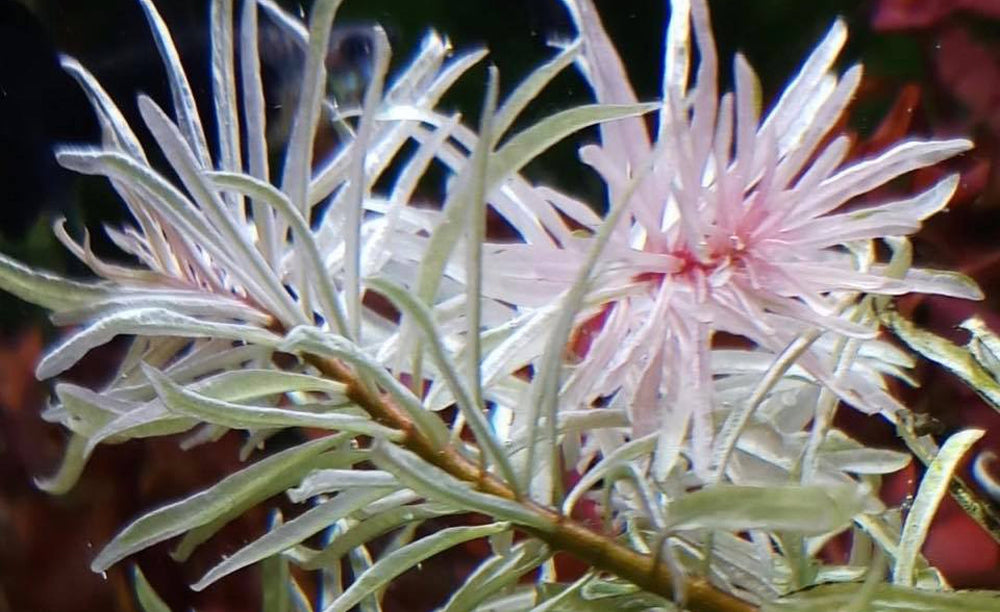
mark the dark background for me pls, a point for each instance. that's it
(932, 68)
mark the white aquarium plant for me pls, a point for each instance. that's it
(587, 345)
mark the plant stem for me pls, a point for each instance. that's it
(597, 550)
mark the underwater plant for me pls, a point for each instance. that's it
(650, 389)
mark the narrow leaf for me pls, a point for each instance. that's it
(371, 528)
(275, 576)
(437, 485)
(149, 600)
(47, 290)
(331, 481)
(528, 89)
(407, 557)
(955, 358)
(240, 416)
(74, 460)
(932, 489)
(201, 508)
(797, 509)
(473, 411)
(293, 532)
(531, 142)
(144, 322)
(886, 598)
(496, 573)
(263, 193)
(183, 97)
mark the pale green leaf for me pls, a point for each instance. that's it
(276, 471)
(407, 557)
(342, 457)
(933, 488)
(176, 209)
(542, 445)
(984, 345)
(48, 290)
(330, 481)
(191, 303)
(185, 105)
(955, 358)
(532, 141)
(144, 322)
(886, 598)
(148, 598)
(437, 485)
(809, 509)
(865, 460)
(475, 236)
(299, 152)
(371, 528)
(74, 460)
(240, 416)
(474, 415)
(153, 419)
(496, 573)
(275, 576)
(528, 89)
(629, 451)
(286, 535)
(246, 261)
(305, 243)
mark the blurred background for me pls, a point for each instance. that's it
(932, 69)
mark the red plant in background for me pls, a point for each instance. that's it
(909, 14)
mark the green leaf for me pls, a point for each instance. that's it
(810, 509)
(437, 485)
(153, 419)
(47, 290)
(178, 210)
(341, 457)
(496, 573)
(149, 600)
(932, 489)
(286, 535)
(329, 481)
(887, 598)
(191, 303)
(240, 416)
(299, 151)
(955, 358)
(531, 142)
(144, 322)
(475, 236)
(275, 576)
(74, 460)
(185, 105)
(371, 528)
(305, 241)
(528, 89)
(421, 315)
(407, 557)
(542, 410)
(629, 451)
(259, 479)
(984, 345)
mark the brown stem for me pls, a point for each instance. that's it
(597, 550)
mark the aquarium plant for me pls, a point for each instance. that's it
(646, 383)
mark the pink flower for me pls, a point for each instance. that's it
(737, 224)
